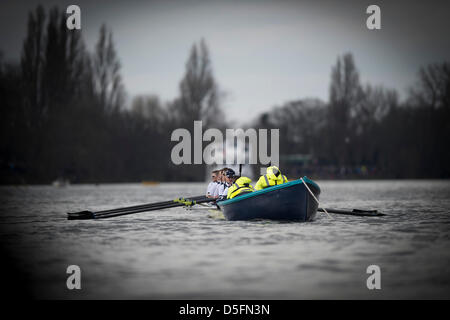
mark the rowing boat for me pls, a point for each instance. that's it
(296, 200)
(287, 201)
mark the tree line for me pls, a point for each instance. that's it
(63, 111)
(365, 131)
(63, 114)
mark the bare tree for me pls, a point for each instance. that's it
(64, 64)
(106, 69)
(149, 108)
(199, 94)
(345, 89)
(31, 65)
(345, 95)
(433, 87)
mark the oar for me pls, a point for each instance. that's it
(354, 212)
(137, 209)
(96, 215)
(86, 214)
(149, 205)
(176, 203)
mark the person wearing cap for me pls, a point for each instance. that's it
(213, 184)
(272, 177)
(239, 186)
(228, 175)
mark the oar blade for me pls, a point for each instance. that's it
(364, 211)
(81, 215)
(368, 212)
(354, 212)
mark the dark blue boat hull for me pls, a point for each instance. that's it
(289, 201)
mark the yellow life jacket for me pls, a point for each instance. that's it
(240, 186)
(270, 179)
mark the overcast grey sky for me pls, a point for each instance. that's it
(264, 53)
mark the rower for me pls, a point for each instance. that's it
(272, 177)
(213, 184)
(221, 180)
(240, 186)
(215, 191)
(229, 174)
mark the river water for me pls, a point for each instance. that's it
(175, 253)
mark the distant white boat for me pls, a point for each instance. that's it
(61, 182)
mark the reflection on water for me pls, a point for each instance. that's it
(176, 253)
